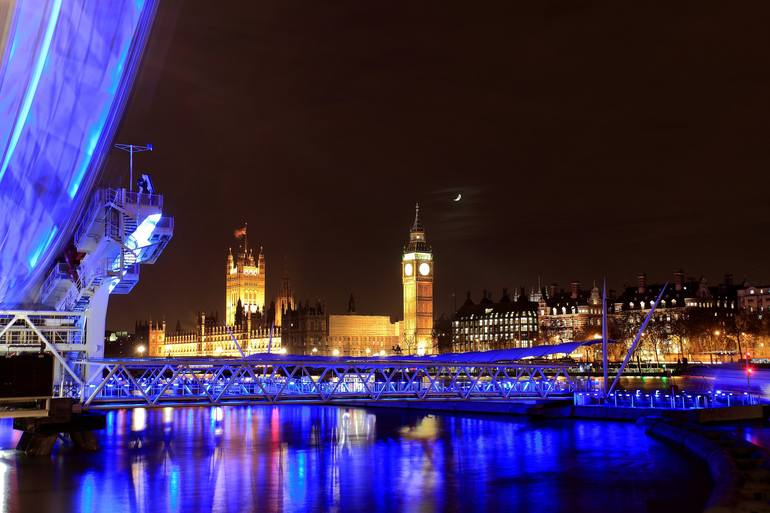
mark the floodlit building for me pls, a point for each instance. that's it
(251, 326)
(304, 329)
(310, 330)
(722, 299)
(489, 325)
(212, 339)
(566, 316)
(417, 269)
(689, 311)
(245, 281)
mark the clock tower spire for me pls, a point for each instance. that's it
(417, 280)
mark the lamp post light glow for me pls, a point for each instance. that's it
(141, 349)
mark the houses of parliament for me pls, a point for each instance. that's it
(287, 326)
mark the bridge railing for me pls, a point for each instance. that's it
(222, 380)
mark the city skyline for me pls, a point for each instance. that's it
(276, 277)
(618, 172)
(406, 256)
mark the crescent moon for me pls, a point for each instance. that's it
(458, 198)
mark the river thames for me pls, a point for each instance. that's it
(324, 458)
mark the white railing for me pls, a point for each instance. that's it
(60, 271)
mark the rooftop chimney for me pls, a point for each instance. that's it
(642, 279)
(574, 287)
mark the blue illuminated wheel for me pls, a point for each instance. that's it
(65, 71)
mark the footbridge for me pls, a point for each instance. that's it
(97, 382)
(216, 381)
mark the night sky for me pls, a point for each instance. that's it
(587, 139)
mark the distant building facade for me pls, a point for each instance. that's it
(250, 322)
(254, 326)
(689, 311)
(122, 344)
(565, 316)
(491, 325)
(212, 339)
(754, 300)
(310, 330)
(682, 293)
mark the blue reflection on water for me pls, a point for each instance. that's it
(87, 504)
(314, 458)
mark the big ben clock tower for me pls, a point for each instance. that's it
(417, 279)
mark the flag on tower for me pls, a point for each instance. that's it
(240, 232)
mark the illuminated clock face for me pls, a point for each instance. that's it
(424, 269)
(408, 269)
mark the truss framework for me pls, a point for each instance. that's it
(216, 381)
(21, 329)
(60, 333)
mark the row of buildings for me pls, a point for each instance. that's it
(693, 319)
(285, 325)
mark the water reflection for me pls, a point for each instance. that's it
(314, 458)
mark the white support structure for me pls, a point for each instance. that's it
(60, 333)
(118, 231)
(211, 381)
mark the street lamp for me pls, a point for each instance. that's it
(140, 349)
(131, 149)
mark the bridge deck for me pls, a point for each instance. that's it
(150, 381)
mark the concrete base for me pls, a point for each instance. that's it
(40, 434)
(36, 444)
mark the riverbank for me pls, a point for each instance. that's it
(740, 470)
